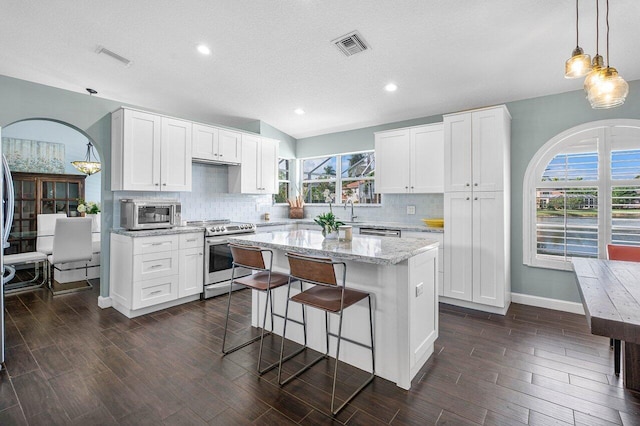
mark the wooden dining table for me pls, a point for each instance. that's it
(610, 292)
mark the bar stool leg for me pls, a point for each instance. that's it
(226, 324)
(373, 364)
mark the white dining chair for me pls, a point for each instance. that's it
(71, 243)
(44, 236)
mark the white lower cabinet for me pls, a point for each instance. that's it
(152, 273)
(476, 243)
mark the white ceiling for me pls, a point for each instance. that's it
(272, 56)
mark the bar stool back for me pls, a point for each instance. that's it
(263, 280)
(329, 295)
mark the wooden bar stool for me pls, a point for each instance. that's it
(264, 281)
(331, 297)
(628, 254)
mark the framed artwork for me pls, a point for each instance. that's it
(32, 156)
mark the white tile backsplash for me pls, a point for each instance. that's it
(209, 199)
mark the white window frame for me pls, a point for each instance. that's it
(290, 181)
(338, 179)
(562, 143)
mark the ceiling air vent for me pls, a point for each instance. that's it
(351, 43)
(125, 61)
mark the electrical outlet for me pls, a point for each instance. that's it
(411, 209)
(419, 289)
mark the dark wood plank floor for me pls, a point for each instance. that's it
(70, 362)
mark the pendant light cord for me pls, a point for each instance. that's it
(577, 37)
(607, 33)
(597, 27)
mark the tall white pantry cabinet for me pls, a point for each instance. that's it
(476, 209)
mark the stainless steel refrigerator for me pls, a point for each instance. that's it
(6, 219)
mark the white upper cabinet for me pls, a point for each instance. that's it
(477, 150)
(257, 173)
(149, 152)
(410, 160)
(211, 144)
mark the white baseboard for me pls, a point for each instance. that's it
(104, 302)
(543, 302)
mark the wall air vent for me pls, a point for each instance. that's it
(127, 63)
(351, 43)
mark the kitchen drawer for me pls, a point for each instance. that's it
(193, 240)
(161, 243)
(155, 291)
(155, 265)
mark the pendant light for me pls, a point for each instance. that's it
(87, 166)
(606, 88)
(579, 64)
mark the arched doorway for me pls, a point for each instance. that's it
(39, 153)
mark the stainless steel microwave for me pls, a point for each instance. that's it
(136, 214)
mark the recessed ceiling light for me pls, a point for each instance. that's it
(390, 87)
(299, 111)
(204, 49)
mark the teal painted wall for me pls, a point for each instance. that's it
(352, 140)
(534, 122)
(287, 147)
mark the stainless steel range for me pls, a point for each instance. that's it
(217, 256)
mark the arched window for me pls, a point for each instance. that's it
(581, 191)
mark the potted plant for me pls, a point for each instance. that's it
(90, 209)
(329, 224)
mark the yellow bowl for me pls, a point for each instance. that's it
(434, 223)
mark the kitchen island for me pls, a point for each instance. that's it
(400, 274)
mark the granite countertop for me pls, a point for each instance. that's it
(157, 232)
(369, 249)
(364, 224)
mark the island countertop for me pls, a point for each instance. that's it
(368, 249)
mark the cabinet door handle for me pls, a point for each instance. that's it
(155, 292)
(476, 198)
(468, 184)
(156, 184)
(475, 184)
(468, 198)
(199, 254)
(192, 239)
(220, 155)
(157, 244)
(164, 184)
(155, 266)
(215, 155)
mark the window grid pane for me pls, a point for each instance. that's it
(625, 215)
(625, 165)
(567, 222)
(572, 167)
(319, 168)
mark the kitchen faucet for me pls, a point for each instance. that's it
(353, 218)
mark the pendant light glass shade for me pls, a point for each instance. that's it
(578, 65)
(607, 90)
(604, 86)
(87, 166)
(594, 75)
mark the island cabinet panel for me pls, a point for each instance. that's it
(149, 273)
(439, 236)
(410, 160)
(400, 275)
(423, 317)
